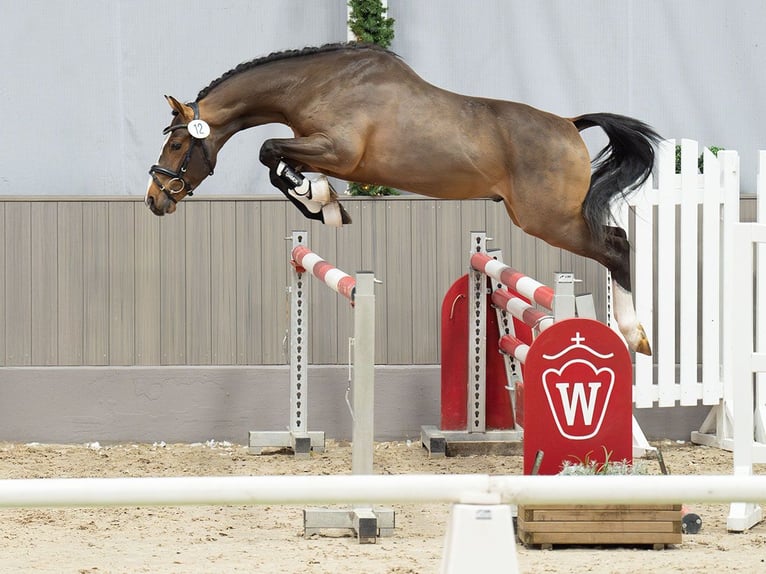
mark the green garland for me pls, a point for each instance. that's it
(369, 24)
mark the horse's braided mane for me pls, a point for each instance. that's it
(274, 56)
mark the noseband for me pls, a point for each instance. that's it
(177, 177)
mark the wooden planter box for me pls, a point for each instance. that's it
(545, 525)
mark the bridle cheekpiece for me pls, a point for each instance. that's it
(199, 130)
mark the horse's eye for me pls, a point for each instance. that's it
(175, 146)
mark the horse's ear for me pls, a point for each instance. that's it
(181, 109)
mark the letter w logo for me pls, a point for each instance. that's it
(578, 408)
(578, 400)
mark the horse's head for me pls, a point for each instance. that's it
(186, 159)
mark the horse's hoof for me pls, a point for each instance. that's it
(331, 214)
(345, 217)
(643, 346)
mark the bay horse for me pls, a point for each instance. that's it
(359, 113)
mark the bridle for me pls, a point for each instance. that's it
(199, 130)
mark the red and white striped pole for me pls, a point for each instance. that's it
(514, 347)
(522, 310)
(343, 283)
(513, 279)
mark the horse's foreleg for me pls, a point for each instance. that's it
(315, 199)
(310, 209)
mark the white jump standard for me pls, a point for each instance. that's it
(749, 364)
(297, 436)
(368, 523)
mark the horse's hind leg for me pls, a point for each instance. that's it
(612, 251)
(315, 199)
(618, 262)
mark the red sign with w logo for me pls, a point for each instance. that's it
(577, 396)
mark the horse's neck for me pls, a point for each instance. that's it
(253, 98)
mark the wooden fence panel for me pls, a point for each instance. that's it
(148, 285)
(272, 271)
(71, 324)
(98, 284)
(688, 264)
(373, 218)
(249, 268)
(2, 285)
(425, 255)
(712, 289)
(399, 282)
(18, 284)
(666, 275)
(172, 293)
(122, 284)
(451, 261)
(105, 282)
(197, 279)
(44, 304)
(223, 283)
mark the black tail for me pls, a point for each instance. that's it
(623, 165)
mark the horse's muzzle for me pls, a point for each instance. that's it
(162, 205)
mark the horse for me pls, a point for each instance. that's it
(358, 112)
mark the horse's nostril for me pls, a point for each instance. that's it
(151, 204)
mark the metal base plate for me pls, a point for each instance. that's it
(455, 443)
(367, 523)
(301, 443)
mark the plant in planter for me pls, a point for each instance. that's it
(630, 524)
(369, 23)
(589, 466)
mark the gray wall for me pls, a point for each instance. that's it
(687, 67)
(81, 105)
(193, 404)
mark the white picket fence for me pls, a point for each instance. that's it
(748, 401)
(681, 227)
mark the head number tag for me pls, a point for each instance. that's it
(198, 129)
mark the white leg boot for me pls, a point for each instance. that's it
(317, 196)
